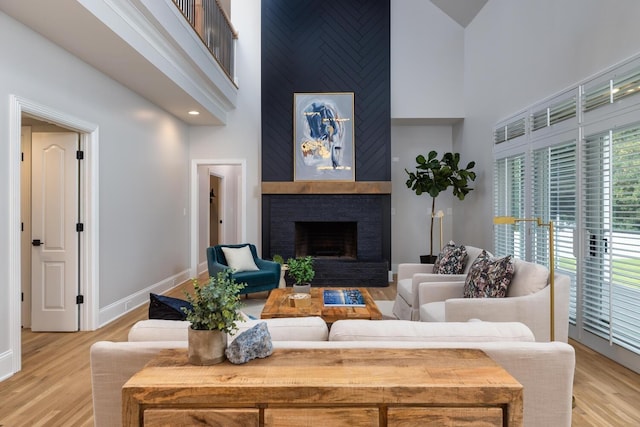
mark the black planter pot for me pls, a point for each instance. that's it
(428, 259)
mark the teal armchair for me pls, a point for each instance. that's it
(267, 276)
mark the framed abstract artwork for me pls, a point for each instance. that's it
(323, 132)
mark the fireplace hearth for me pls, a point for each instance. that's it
(323, 239)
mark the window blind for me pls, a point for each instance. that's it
(613, 90)
(508, 189)
(555, 113)
(553, 190)
(509, 131)
(611, 211)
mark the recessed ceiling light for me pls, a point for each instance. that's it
(194, 112)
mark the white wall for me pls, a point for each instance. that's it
(241, 138)
(143, 168)
(427, 51)
(519, 52)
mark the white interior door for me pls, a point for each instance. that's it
(54, 235)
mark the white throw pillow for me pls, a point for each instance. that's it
(240, 259)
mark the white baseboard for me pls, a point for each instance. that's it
(202, 267)
(6, 365)
(119, 308)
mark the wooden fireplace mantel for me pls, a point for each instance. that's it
(326, 187)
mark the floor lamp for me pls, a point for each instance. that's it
(509, 220)
(440, 216)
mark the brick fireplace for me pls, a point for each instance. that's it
(360, 209)
(346, 234)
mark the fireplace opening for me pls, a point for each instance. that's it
(326, 239)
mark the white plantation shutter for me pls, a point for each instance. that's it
(508, 190)
(614, 89)
(575, 160)
(555, 113)
(554, 189)
(510, 130)
(611, 211)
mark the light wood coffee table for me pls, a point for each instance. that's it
(278, 305)
(326, 387)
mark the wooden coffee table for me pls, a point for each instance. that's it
(278, 305)
(326, 387)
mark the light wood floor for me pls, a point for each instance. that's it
(54, 386)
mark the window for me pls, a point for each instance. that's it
(508, 191)
(578, 164)
(553, 194)
(553, 114)
(509, 131)
(611, 211)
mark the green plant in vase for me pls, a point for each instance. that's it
(214, 311)
(433, 176)
(302, 272)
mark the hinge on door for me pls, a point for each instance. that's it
(79, 227)
(80, 299)
(22, 296)
(22, 226)
(79, 155)
(22, 157)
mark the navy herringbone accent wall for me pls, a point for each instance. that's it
(326, 46)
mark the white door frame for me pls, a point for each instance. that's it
(194, 202)
(89, 212)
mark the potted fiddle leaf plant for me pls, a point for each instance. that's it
(433, 176)
(302, 272)
(213, 314)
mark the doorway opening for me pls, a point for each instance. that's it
(87, 209)
(231, 200)
(50, 215)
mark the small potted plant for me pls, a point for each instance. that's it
(283, 269)
(213, 314)
(301, 269)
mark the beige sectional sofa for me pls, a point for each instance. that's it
(544, 369)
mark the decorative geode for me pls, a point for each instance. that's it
(251, 344)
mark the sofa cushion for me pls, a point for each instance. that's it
(240, 259)
(159, 330)
(528, 278)
(451, 260)
(489, 277)
(407, 330)
(404, 289)
(433, 312)
(298, 329)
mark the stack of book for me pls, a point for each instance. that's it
(343, 298)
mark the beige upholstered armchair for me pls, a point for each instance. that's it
(406, 305)
(527, 301)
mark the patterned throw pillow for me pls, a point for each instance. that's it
(451, 260)
(489, 277)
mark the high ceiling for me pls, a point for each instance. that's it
(461, 11)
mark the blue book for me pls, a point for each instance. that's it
(343, 298)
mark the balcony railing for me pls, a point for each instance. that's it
(214, 28)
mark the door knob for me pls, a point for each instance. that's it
(37, 242)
